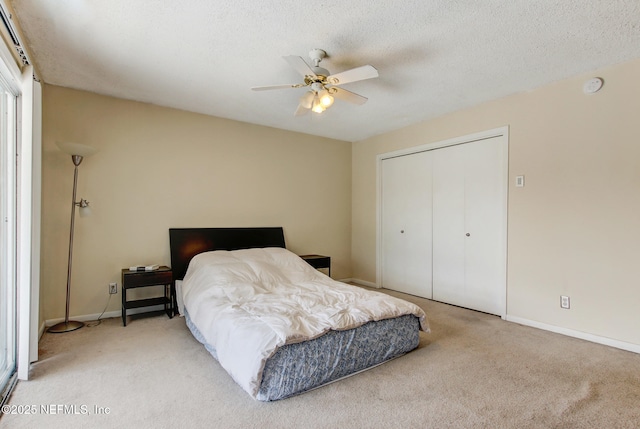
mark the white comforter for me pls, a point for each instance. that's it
(247, 303)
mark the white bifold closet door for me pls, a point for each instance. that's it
(443, 224)
(468, 224)
(406, 223)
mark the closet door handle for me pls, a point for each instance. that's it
(468, 235)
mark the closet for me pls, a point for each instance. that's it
(442, 222)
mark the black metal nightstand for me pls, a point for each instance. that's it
(318, 261)
(163, 276)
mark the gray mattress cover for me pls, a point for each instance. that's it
(300, 367)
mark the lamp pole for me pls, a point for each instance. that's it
(67, 325)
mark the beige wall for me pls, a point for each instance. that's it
(159, 168)
(574, 229)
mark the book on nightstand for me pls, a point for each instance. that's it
(144, 267)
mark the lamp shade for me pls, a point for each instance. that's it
(76, 149)
(84, 211)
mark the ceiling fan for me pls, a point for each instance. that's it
(323, 85)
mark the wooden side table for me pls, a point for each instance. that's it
(163, 276)
(318, 261)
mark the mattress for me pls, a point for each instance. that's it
(301, 367)
(279, 327)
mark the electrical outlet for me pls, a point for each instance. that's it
(113, 288)
(565, 302)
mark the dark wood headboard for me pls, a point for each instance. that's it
(186, 243)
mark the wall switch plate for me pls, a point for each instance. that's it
(519, 181)
(565, 302)
(113, 288)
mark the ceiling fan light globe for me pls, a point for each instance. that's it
(326, 100)
(317, 106)
(306, 100)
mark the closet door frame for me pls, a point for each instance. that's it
(503, 133)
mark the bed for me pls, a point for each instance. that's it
(275, 324)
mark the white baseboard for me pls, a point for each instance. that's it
(631, 347)
(576, 334)
(106, 315)
(364, 283)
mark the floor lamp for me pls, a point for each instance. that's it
(77, 152)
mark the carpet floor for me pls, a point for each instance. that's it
(472, 371)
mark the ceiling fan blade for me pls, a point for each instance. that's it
(353, 75)
(266, 88)
(299, 65)
(348, 96)
(301, 110)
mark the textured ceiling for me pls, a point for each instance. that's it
(433, 56)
